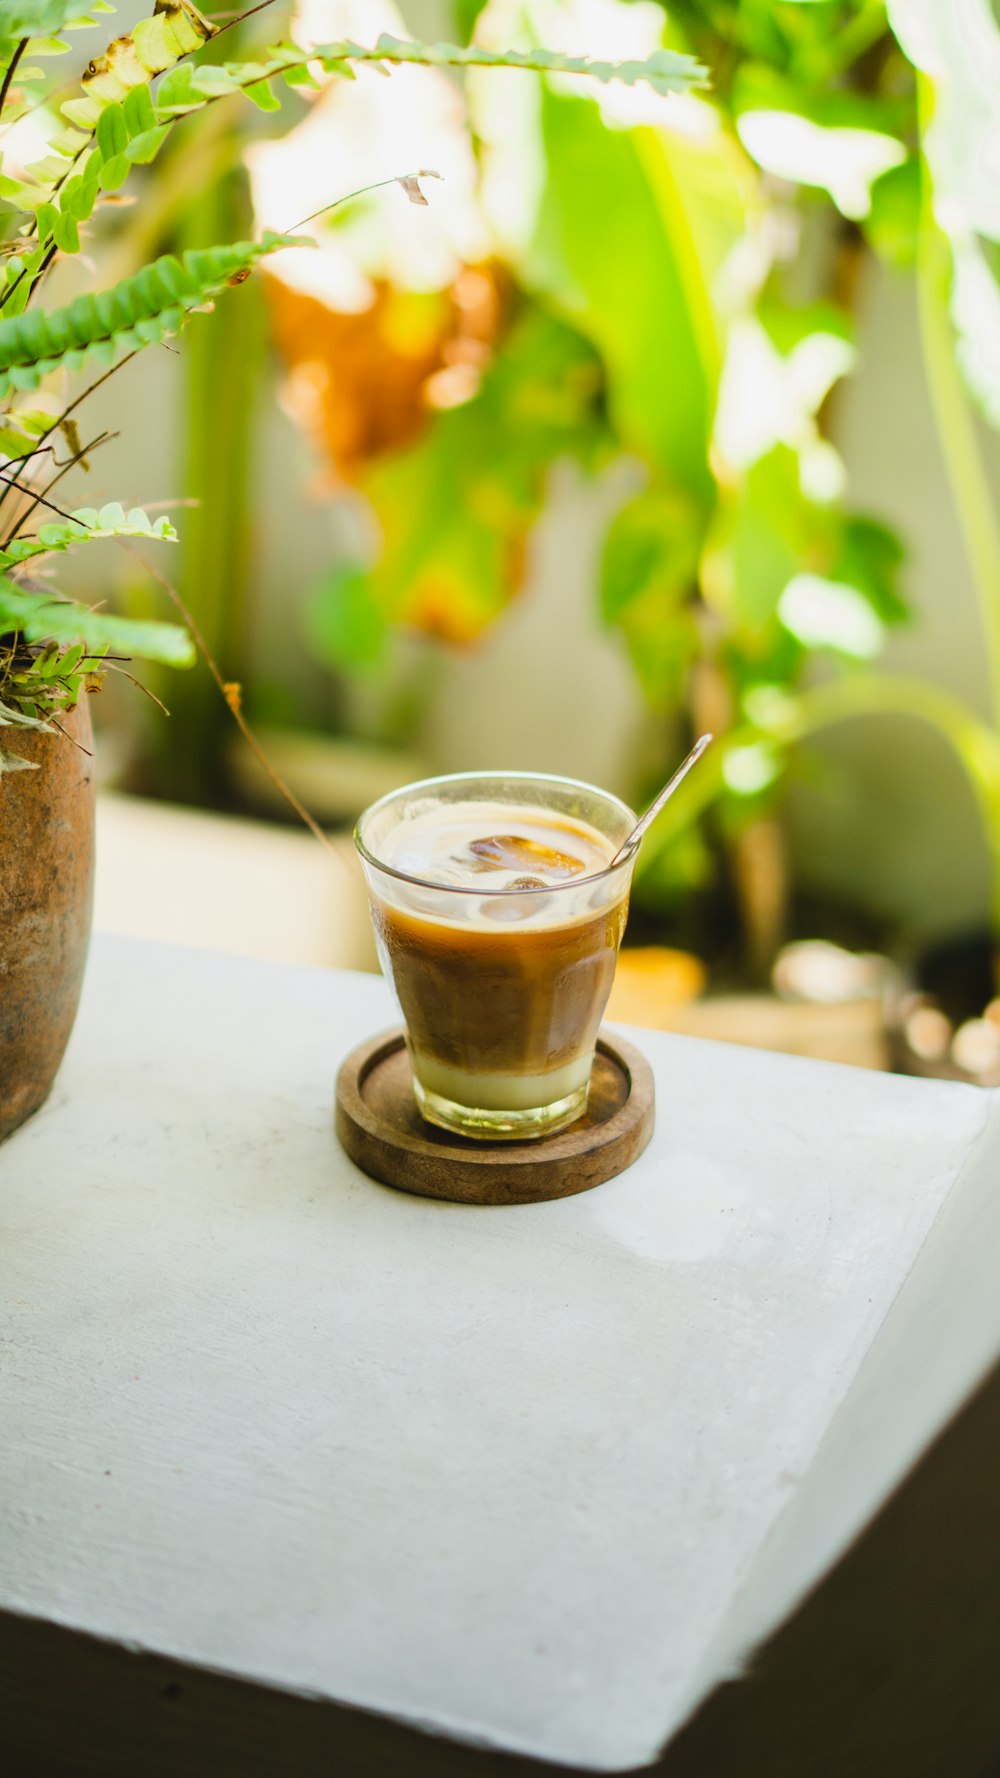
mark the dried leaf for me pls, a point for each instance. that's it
(71, 434)
(412, 189)
(12, 762)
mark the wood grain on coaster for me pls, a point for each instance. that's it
(381, 1129)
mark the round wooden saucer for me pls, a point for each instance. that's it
(381, 1129)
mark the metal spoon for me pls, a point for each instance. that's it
(632, 843)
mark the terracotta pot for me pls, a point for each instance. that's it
(46, 899)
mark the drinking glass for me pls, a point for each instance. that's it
(501, 990)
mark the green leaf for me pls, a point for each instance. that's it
(653, 541)
(45, 46)
(263, 95)
(300, 76)
(761, 537)
(345, 623)
(870, 556)
(114, 172)
(85, 526)
(138, 112)
(131, 62)
(65, 233)
(455, 509)
(648, 579)
(614, 249)
(820, 135)
(10, 718)
(112, 131)
(35, 18)
(147, 307)
(893, 222)
(40, 619)
(78, 197)
(466, 16)
(143, 149)
(15, 444)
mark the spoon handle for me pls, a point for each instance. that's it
(656, 805)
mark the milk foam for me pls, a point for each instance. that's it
(435, 842)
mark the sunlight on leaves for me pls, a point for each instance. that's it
(830, 614)
(767, 399)
(749, 769)
(843, 162)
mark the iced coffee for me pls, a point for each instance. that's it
(498, 919)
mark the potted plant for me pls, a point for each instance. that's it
(54, 650)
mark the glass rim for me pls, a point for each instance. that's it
(480, 890)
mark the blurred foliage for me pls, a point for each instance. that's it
(454, 509)
(621, 263)
(705, 252)
(675, 261)
(65, 158)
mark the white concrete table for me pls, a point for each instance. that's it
(300, 1474)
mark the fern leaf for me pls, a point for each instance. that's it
(116, 107)
(12, 762)
(11, 718)
(186, 88)
(66, 622)
(176, 29)
(666, 70)
(86, 526)
(154, 303)
(117, 112)
(34, 18)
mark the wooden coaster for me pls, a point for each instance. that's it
(381, 1129)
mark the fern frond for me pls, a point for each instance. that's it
(68, 623)
(11, 718)
(176, 29)
(116, 125)
(186, 88)
(666, 70)
(87, 525)
(12, 762)
(151, 305)
(114, 121)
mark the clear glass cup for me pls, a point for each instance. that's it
(501, 990)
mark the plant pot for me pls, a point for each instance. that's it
(46, 899)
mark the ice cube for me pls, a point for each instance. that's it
(512, 908)
(509, 851)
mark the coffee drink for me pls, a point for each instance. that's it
(498, 922)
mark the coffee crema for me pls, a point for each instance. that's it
(503, 984)
(492, 846)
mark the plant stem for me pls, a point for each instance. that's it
(960, 447)
(10, 71)
(231, 695)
